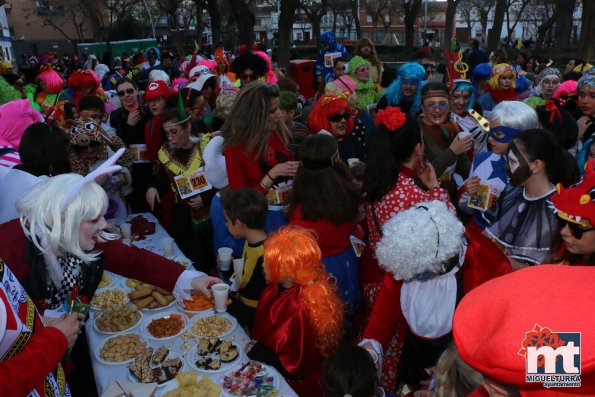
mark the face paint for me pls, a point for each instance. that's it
(509, 134)
(517, 168)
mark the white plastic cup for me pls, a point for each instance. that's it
(225, 258)
(220, 293)
(126, 229)
(168, 246)
(464, 134)
(238, 269)
(127, 241)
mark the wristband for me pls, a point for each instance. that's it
(272, 179)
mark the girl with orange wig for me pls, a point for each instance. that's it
(299, 317)
(332, 114)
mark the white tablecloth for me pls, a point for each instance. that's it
(104, 373)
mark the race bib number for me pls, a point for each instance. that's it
(189, 186)
(358, 245)
(330, 58)
(280, 194)
(484, 199)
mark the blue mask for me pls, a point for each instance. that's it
(509, 134)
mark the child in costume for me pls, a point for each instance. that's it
(245, 212)
(501, 87)
(299, 316)
(405, 91)
(468, 119)
(224, 73)
(81, 83)
(359, 70)
(328, 51)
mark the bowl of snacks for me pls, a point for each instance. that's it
(218, 325)
(117, 319)
(213, 355)
(107, 280)
(149, 297)
(120, 349)
(191, 384)
(109, 298)
(198, 304)
(155, 366)
(165, 326)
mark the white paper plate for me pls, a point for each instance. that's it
(173, 385)
(97, 315)
(270, 371)
(197, 317)
(133, 379)
(146, 309)
(101, 360)
(162, 315)
(194, 356)
(111, 283)
(99, 291)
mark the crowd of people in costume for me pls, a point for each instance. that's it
(387, 225)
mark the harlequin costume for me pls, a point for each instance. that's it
(495, 324)
(493, 94)
(191, 228)
(30, 353)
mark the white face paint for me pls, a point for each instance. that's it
(513, 162)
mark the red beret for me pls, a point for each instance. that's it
(156, 89)
(493, 320)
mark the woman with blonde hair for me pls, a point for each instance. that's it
(256, 147)
(365, 49)
(299, 317)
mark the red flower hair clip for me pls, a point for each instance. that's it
(391, 117)
(551, 106)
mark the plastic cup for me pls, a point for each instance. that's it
(225, 258)
(464, 134)
(126, 229)
(126, 241)
(220, 293)
(168, 246)
(238, 269)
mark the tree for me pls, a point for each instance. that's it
(355, 13)
(212, 7)
(244, 18)
(564, 26)
(348, 19)
(171, 9)
(586, 48)
(286, 19)
(336, 7)
(495, 32)
(411, 10)
(466, 9)
(514, 11)
(483, 8)
(314, 10)
(451, 13)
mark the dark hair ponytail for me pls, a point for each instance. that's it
(387, 150)
(560, 166)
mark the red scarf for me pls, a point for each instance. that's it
(502, 95)
(154, 137)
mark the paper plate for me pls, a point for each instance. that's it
(164, 315)
(194, 356)
(101, 360)
(196, 318)
(97, 315)
(267, 370)
(99, 291)
(164, 384)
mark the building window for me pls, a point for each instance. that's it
(369, 18)
(300, 36)
(45, 7)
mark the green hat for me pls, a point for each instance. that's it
(355, 63)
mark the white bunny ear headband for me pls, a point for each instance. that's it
(107, 167)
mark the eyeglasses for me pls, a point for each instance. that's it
(127, 91)
(335, 118)
(430, 68)
(248, 77)
(576, 230)
(440, 106)
(199, 107)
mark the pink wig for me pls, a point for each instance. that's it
(212, 65)
(52, 79)
(567, 88)
(323, 108)
(177, 81)
(15, 117)
(270, 76)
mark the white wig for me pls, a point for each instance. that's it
(514, 114)
(159, 75)
(55, 232)
(420, 239)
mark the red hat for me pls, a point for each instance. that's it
(577, 202)
(157, 88)
(494, 326)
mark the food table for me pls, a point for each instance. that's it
(183, 345)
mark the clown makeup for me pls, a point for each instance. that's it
(549, 85)
(505, 81)
(586, 100)
(362, 73)
(89, 232)
(517, 168)
(408, 86)
(435, 110)
(459, 101)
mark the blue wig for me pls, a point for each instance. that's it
(464, 85)
(394, 94)
(481, 72)
(154, 49)
(328, 38)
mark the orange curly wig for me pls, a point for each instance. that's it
(324, 107)
(293, 253)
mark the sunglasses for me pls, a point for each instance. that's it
(335, 118)
(248, 77)
(430, 68)
(409, 82)
(128, 91)
(576, 230)
(363, 69)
